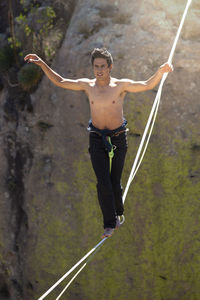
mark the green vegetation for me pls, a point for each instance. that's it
(37, 25)
(28, 32)
(29, 76)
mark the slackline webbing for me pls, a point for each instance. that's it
(73, 268)
(153, 114)
(138, 159)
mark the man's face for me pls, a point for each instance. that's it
(101, 69)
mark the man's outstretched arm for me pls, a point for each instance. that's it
(140, 86)
(76, 85)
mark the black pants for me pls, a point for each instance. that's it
(109, 188)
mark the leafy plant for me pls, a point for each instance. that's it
(29, 76)
(37, 24)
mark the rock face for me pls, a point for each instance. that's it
(49, 215)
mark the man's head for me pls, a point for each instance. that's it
(102, 63)
(102, 53)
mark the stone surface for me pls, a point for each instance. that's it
(155, 254)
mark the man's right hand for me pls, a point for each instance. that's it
(33, 58)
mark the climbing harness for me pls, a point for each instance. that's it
(111, 153)
(138, 159)
(106, 135)
(121, 219)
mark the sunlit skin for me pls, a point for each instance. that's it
(105, 93)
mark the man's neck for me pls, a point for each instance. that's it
(103, 83)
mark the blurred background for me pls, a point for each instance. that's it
(49, 213)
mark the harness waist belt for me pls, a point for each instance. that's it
(105, 133)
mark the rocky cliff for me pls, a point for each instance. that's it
(49, 215)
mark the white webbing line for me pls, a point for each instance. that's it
(81, 268)
(72, 269)
(135, 166)
(79, 271)
(154, 110)
(152, 115)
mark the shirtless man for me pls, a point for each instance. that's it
(107, 126)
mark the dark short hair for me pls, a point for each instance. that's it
(101, 53)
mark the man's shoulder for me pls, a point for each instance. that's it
(86, 80)
(121, 81)
(125, 80)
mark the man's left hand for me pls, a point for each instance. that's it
(166, 67)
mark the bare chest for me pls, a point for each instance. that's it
(103, 97)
